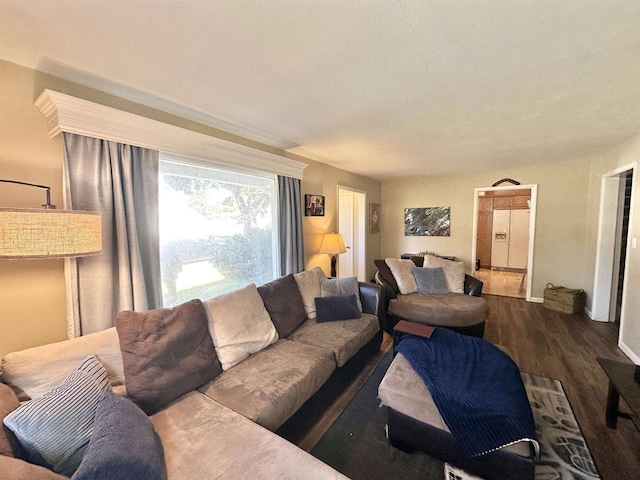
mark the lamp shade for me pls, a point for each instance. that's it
(332, 243)
(37, 233)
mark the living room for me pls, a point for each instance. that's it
(568, 206)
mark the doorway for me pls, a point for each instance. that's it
(351, 225)
(609, 290)
(503, 239)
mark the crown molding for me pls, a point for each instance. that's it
(65, 113)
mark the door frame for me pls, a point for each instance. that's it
(532, 227)
(359, 229)
(606, 245)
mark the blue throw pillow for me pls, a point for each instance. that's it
(430, 280)
(336, 307)
(124, 444)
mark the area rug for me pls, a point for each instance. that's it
(356, 443)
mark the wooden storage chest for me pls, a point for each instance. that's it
(562, 299)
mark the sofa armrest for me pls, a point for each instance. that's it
(472, 286)
(372, 298)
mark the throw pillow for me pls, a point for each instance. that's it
(453, 272)
(385, 273)
(55, 429)
(309, 286)
(16, 469)
(430, 280)
(403, 273)
(166, 353)
(336, 307)
(341, 286)
(283, 301)
(8, 403)
(239, 325)
(124, 444)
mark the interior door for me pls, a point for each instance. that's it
(346, 229)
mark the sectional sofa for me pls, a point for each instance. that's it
(215, 378)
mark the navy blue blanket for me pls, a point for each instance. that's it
(476, 387)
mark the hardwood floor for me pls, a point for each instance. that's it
(506, 284)
(551, 344)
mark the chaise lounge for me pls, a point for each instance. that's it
(450, 298)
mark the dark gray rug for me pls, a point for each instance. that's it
(356, 444)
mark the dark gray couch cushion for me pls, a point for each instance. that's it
(337, 307)
(124, 444)
(8, 403)
(283, 301)
(166, 353)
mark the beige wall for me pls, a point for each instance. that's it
(561, 221)
(626, 154)
(32, 293)
(324, 180)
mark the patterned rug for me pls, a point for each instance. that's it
(564, 454)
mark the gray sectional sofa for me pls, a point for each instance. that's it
(222, 428)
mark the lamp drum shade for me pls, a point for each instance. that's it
(332, 243)
(38, 233)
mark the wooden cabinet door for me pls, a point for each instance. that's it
(503, 202)
(520, 201)
(483, 239)
(485, 204)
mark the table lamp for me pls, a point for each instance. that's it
(333, 245)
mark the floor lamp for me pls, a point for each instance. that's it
(32, 233)
(333, 245)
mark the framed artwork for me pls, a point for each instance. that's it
(374, 217)
(313, 205)
(429, 221)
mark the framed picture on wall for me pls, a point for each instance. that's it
(314, 205)
(374, 217)
(429, 221)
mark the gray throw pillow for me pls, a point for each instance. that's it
(55, 429)
(336, 307)
(341, 286)
(124, 444)
(166, 353)
(430, 280)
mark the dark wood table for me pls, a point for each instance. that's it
(621, 384)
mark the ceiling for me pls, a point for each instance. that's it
(382, 88)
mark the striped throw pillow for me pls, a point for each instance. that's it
(55, 429)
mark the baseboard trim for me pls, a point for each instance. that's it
(629, 353)
(537, 300)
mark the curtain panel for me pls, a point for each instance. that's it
(121, 182)
(292, 258)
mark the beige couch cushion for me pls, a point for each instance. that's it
(344, 338)
(203, 439)
(403, 390)
(309, 286)
(403, 273)
(239, 325)
(16, 469)
(453, 271)
(271, 385)
(443, 309)
(35, 371)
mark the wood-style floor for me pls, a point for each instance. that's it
(553, 345)
(506, 284)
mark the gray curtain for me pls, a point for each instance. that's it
(120, 182)
(292, 259)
